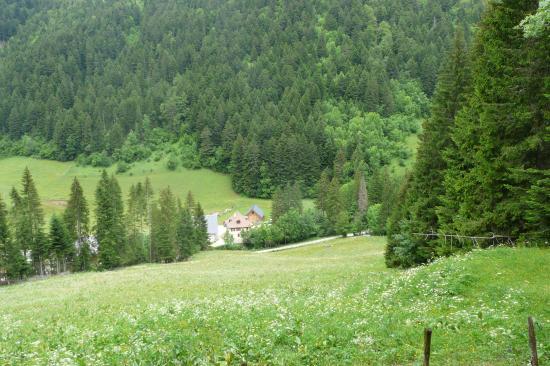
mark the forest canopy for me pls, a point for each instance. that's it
(267, 91)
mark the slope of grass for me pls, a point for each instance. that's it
(329, 304)
(53, 180)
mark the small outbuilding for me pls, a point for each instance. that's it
(255, 214)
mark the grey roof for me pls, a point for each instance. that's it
(258, 210)
(212, 223)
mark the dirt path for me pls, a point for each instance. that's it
(298, 245)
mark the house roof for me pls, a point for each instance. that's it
(237, 221)
(212, 223)
(257, 210)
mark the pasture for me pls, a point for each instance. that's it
(333, 303)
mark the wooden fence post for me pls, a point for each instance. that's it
(427, 345)
(533, 342)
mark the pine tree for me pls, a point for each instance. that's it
(60, 244)
(362, 202)
(110, 232)
(323, 187)
(33, 222)
(147, 209)
(185, 234)
(12, 261)
(76, 219)
(237, 165)
(4, 236)
(163, 233)
(426, 187)
(201, 228)
(500, 147)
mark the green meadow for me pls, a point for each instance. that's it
(333, 303)
(53, 180)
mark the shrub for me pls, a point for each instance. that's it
(122, 167)
(172, 162)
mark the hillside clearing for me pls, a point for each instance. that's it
(53, 180)
(326, 304)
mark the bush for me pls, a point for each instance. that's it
(122, 167)
(172, 162)
(289, 228)
(99, 160)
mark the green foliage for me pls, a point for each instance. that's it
(322, 301)
(484, 154)
(122, 81)
(163, 229)
(286, 199)
(110, 229)
(60, 244)
(291, 227)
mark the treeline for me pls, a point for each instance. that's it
(266, 91)
(149, 230)
(484, 158)
(343, 205)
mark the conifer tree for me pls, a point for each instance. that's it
(60, 244)
(323, 187)
(12, 261)
(110, 231)
(501, 148)
(76, 219)
(4, 236)
(426, 187)
(201, 228)
(163, 233)
(185, 234)
(147, 207)
(362, 201)
(33, 222)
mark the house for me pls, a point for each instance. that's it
(255, 214)
(212, 227)
(236, 224)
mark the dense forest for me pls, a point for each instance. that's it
(269, 92)
(482, 175)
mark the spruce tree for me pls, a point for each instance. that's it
(426, 187)
(163, 233)
(76, 219)
(185, 234)
(4, 236)
(501, 147)
(60, 244)
(323, 187)
(201, 228)
(33, 222)
(110, 232)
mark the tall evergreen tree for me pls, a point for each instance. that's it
(185, 234)
(33, 222)
(163, 233)
(502, 149)
(60, 245)
(76, 219)
(426, 187)
(201, 228)
(110, 231)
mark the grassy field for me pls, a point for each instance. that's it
(53, 180)
(329, 304)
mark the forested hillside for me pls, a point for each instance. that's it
(482, 176)
(267, 91)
